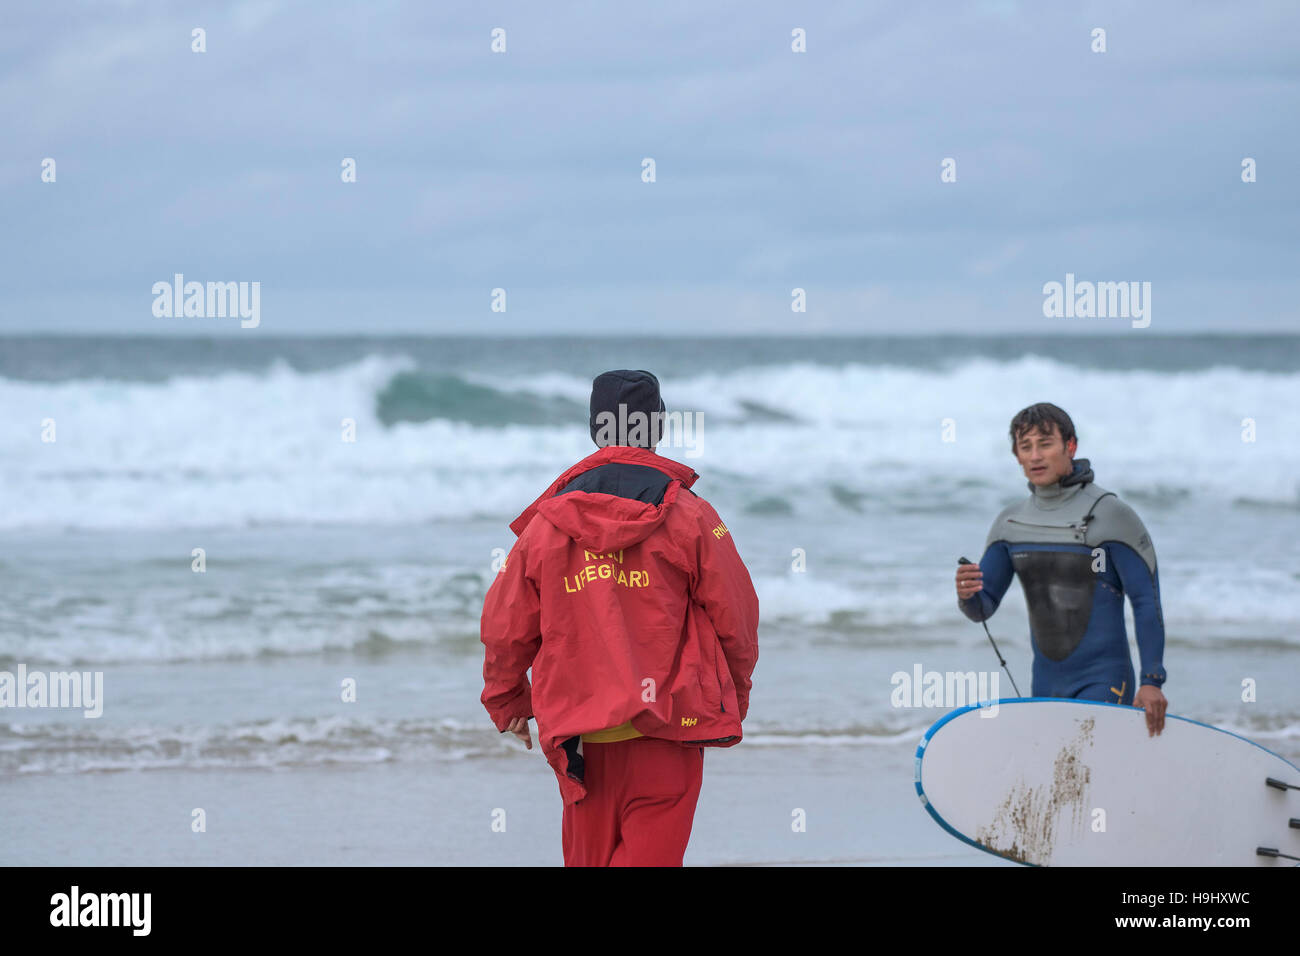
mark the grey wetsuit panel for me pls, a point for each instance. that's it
(1113, 520)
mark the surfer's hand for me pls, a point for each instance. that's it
(519, 727)
(970, 580)
(1152, 699)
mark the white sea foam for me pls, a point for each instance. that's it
(277, 743)
(241, 448)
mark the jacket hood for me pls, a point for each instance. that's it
(601, 522)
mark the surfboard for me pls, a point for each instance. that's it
(1051, 782)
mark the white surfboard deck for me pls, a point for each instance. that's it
(1028, 783)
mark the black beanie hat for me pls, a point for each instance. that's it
(638, 390)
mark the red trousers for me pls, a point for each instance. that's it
(640, 804)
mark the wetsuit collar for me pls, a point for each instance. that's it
(1064, 488)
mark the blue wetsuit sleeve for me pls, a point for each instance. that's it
(997, 570)
(1142, 585)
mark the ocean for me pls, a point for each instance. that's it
(851, 472)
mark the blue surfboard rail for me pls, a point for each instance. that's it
(952, 714)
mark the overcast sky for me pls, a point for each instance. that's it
(523, 170)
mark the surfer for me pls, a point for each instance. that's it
(626, 596)
(1078, 550)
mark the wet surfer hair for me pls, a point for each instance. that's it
(1041, 416)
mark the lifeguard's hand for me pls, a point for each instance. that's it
(970, 580)
(519, 727)
(1152, 699)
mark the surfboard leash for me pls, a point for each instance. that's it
(1274, 853)
(1001, 659)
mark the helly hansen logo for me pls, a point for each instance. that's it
(690, 721)
(719, 531)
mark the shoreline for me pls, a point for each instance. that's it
(860, 808)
